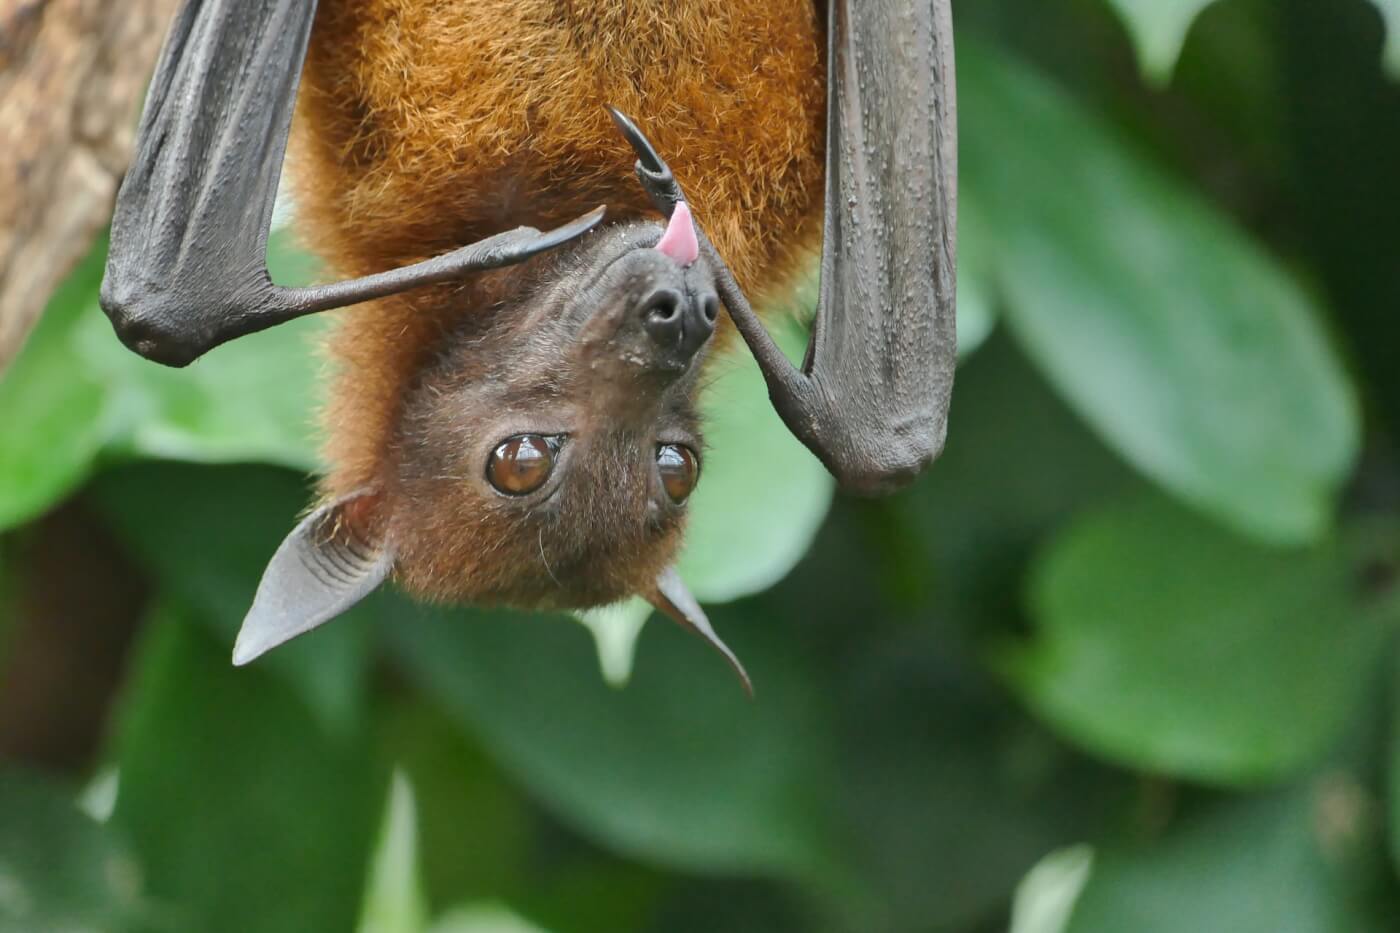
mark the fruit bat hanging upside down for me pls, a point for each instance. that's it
(512, 416)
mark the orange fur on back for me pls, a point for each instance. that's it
(427, 124)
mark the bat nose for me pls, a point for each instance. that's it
(677, 325)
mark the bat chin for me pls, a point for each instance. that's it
(550, 578)
(651, 577)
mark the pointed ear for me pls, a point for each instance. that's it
(671, 597)
(326, 565)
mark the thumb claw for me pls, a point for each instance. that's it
(576, 227)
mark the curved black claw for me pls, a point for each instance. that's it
(652, 170)
(563, 234)
(519, 244)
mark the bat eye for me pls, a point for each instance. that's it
(679, 469)
(522, 464)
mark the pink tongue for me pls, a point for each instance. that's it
(679, 240)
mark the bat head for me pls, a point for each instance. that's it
(543, 460)
(546, 459)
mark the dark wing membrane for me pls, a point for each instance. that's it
(189, 236)
(871, 399)
(884, 346)
(187, 269)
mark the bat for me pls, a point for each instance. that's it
(512, 416)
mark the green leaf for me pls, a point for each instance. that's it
(1045, 899)
(76, 393)
(1252, 865)
(457, 786)
(950, 793)
(590, 890)
(206, 534)
(1392, 766)
(99, 797)
(1017, 465)
(249, 818)
(1159, 29)
(251, 400)
(615, 631)
(59, 869)
(394, 901)
(1390, 13)
(51, 408)
(1166, 643)
(484, 918)
(762, 495)
(976, 277)
(1188, 349)
(680, 768)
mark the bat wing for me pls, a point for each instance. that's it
(871, 398)
(187, 269)
(879, 370)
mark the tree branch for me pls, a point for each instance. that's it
(72, 73)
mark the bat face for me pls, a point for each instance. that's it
(546, 459)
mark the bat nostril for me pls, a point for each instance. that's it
(661, 315)
(663, 308)
(710, 308)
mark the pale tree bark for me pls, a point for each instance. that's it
(72, 73)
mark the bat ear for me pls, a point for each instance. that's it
(671, 597)
(326, 565)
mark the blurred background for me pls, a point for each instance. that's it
(1122, 662)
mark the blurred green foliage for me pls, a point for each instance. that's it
(1137, 625)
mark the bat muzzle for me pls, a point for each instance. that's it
(678, 324)
(646, 311)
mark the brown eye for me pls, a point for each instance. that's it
(678, 471)
(522, 464)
